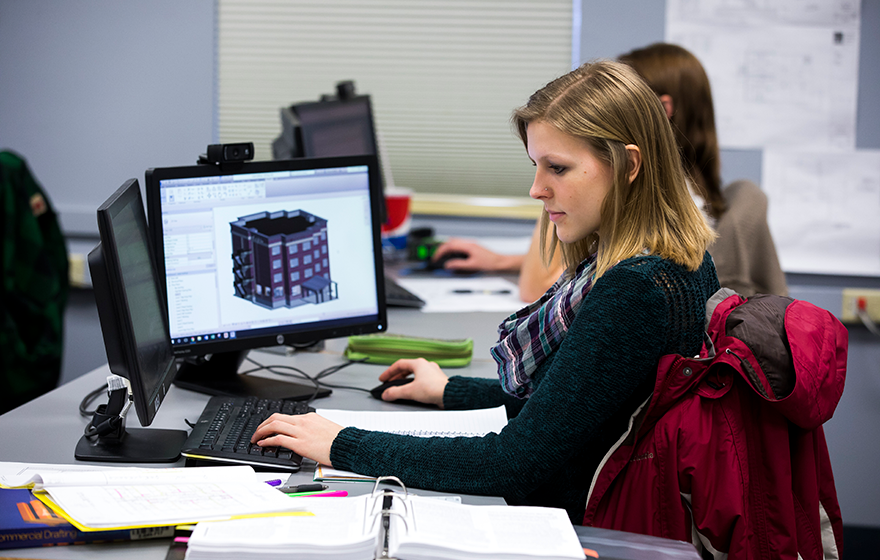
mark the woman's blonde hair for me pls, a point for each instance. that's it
(609, 106)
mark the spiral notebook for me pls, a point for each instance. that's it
(420, 423)
(423, 423)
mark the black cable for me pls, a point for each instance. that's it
(83, 405)
(331, 386)
(300, 374)
(333, 369)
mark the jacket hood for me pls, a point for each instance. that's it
(792, 353)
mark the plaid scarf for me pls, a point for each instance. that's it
(527, 337)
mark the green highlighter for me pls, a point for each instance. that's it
(386, 348)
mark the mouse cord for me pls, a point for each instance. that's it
(296, 373)
(333, 369)
(279, 370)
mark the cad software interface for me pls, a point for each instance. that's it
(258, 253)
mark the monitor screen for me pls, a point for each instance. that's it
(131, 309)
(265, 254)
(336, 127)
(331, 127)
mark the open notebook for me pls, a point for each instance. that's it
(393, 525)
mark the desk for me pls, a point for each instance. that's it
(46, 430)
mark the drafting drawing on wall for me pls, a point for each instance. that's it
(280, 259)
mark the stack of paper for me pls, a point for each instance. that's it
(335, 530)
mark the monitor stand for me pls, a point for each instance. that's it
(133, 445)
(110, 441)
(218, 375)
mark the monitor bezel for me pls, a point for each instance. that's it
(285, 335)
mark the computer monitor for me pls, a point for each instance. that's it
(261, 254)
(337, 128)
(131, 309)
(336, 125)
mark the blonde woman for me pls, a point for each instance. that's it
(576, 364)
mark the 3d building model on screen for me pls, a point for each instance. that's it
(280, 259)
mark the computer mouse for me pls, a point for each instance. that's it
(440, 262)
(378, 390)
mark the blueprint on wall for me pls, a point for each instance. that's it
(784, 76)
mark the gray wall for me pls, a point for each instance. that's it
(94, 92)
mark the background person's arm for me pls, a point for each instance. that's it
(535, 277)
(478, 257)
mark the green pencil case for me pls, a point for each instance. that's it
(386, 348)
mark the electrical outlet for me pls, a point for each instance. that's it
(855, 298)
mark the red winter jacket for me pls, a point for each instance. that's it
(729, 452)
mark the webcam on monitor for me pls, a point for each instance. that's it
(228, 153)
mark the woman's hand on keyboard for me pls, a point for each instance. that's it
(308, 435)
(427, 386)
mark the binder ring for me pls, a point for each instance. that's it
(393, 479)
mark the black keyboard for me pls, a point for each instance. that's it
(223, 433)
(398, 296)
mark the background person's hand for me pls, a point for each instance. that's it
(478, 257)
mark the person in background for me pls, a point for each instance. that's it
(577, 364)
(744, 252)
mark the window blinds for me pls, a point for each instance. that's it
(443, 76)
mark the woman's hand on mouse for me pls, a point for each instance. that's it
(427, 386)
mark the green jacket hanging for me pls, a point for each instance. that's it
(34, 289)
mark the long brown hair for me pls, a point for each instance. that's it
(609, 106)
(674, 71)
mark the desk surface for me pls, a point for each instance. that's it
(47, 429)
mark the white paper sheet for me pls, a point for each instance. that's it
(462, 295)
(824, 210)
(116, 497)
(782, 72)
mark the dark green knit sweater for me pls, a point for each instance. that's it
(640, 310)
